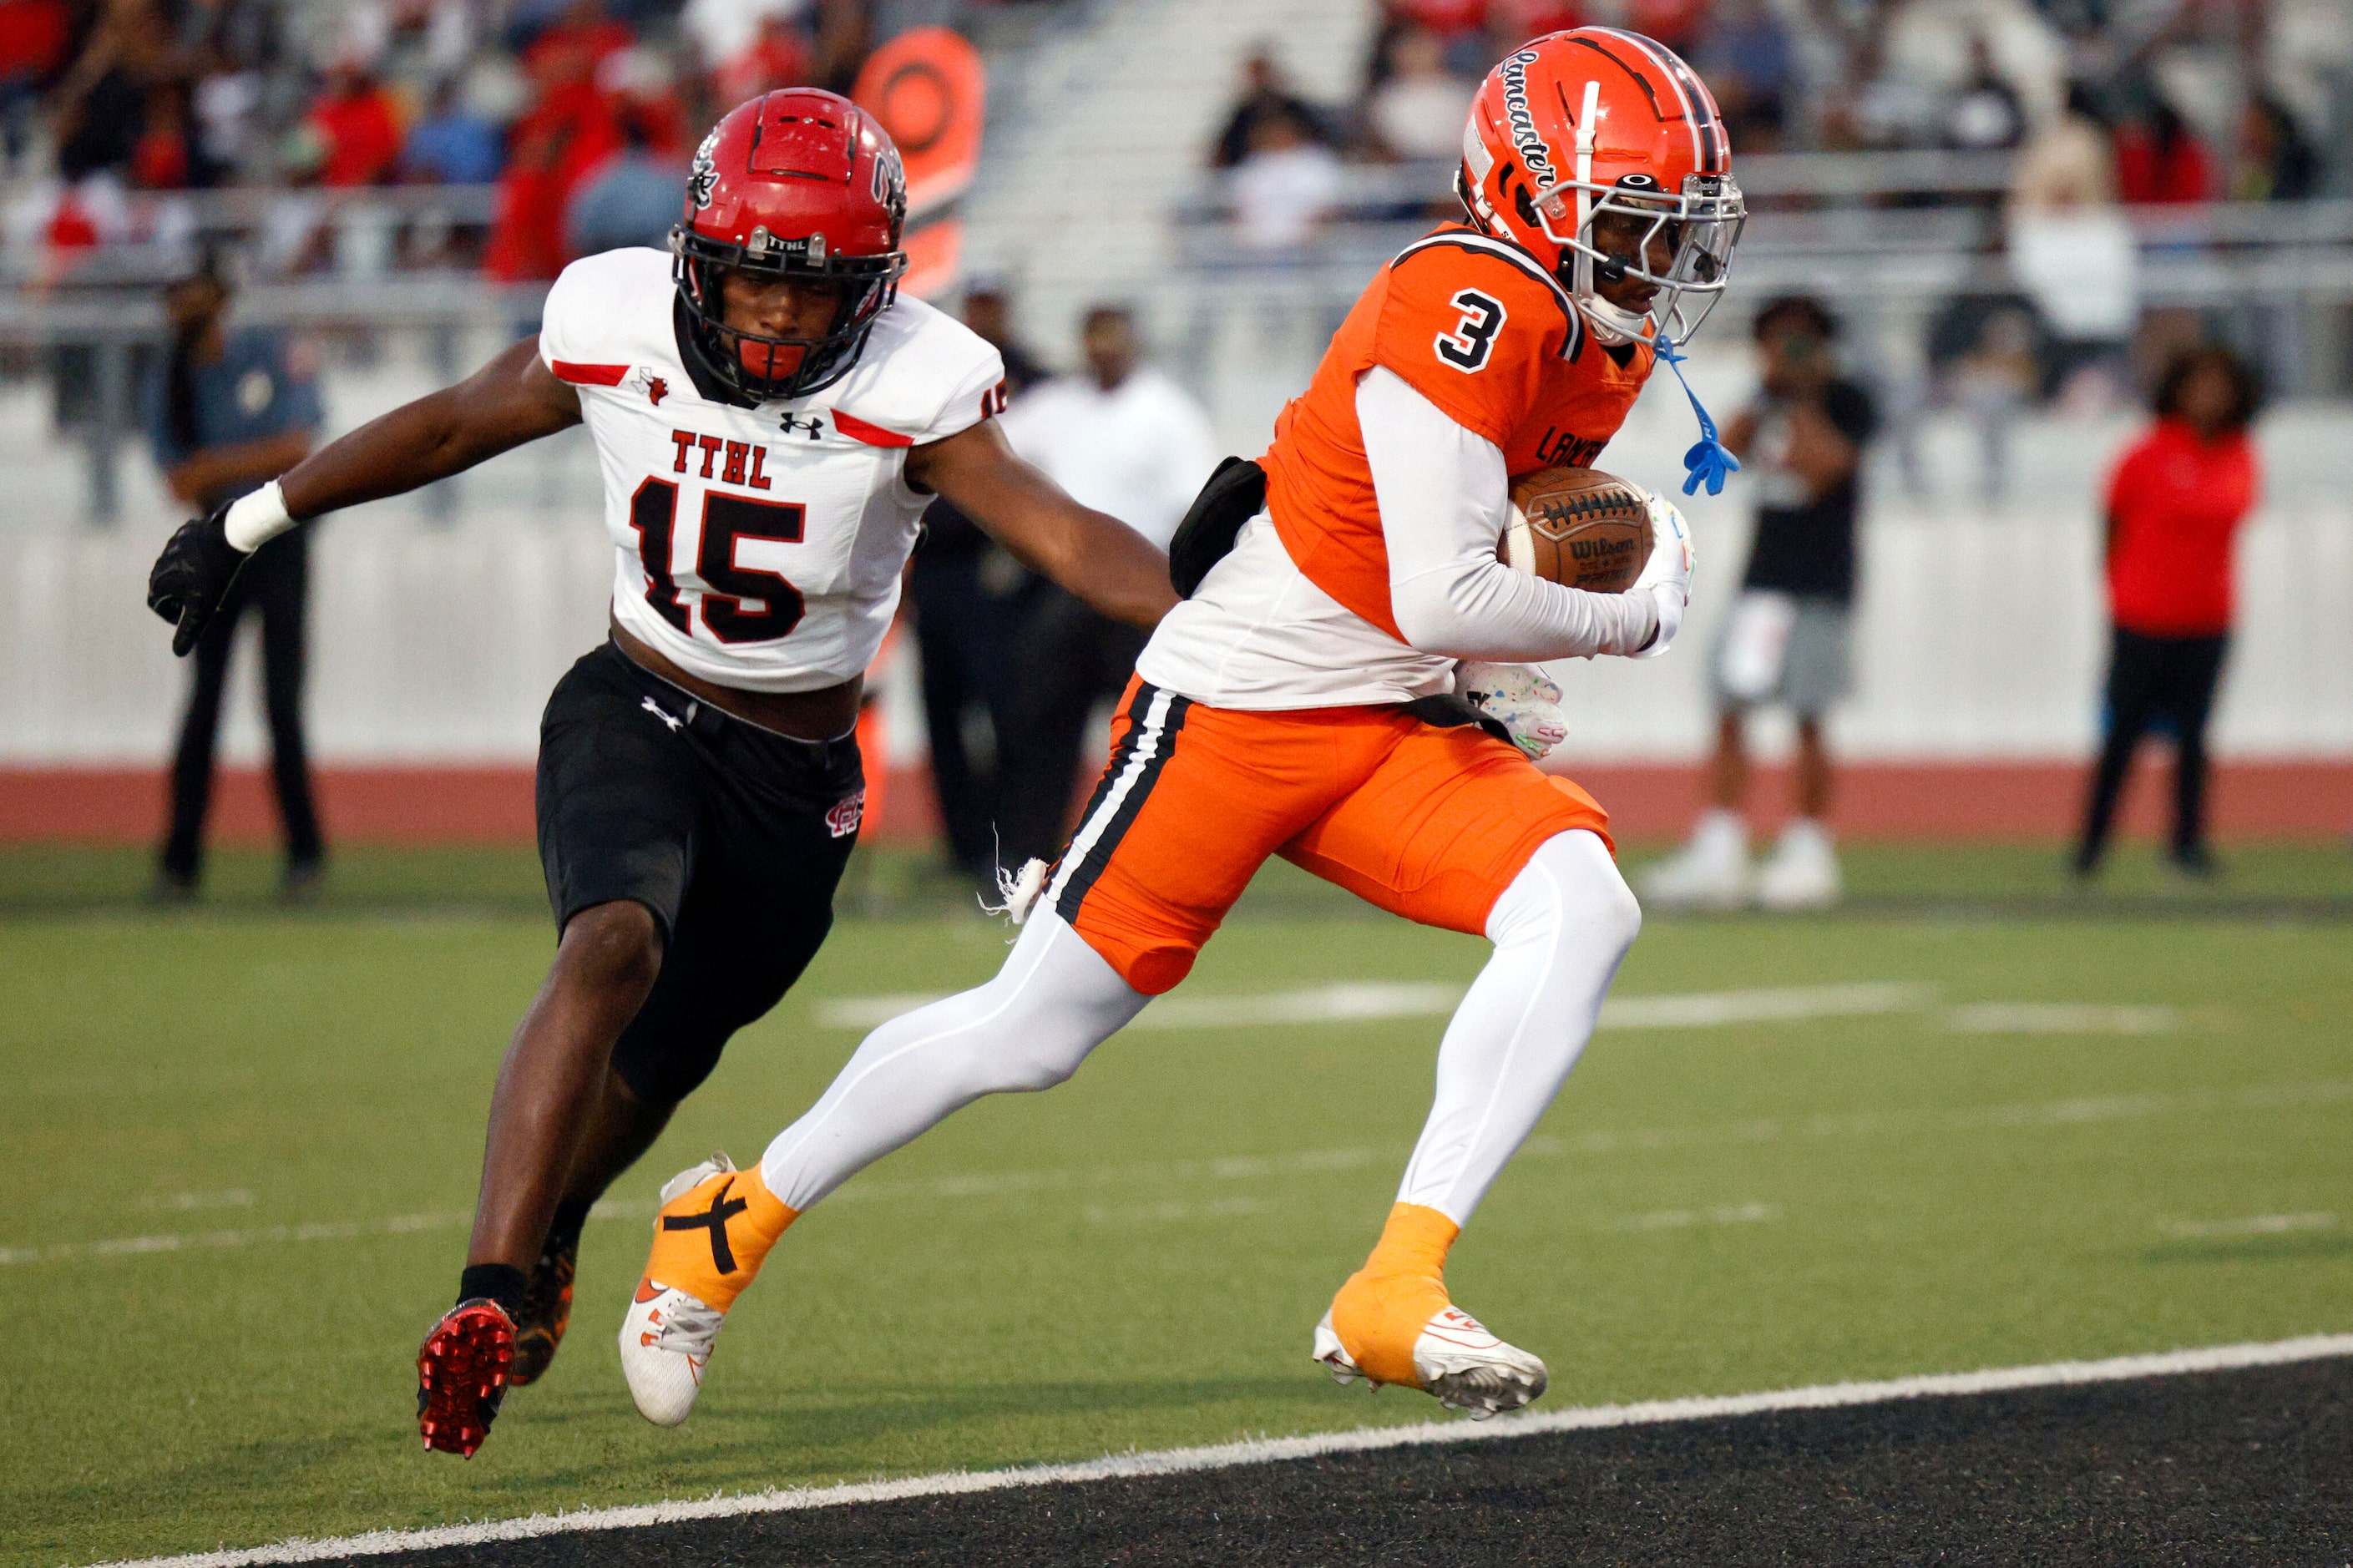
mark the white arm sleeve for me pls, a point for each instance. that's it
(1444, 496)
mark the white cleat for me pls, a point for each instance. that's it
(668, 1335)
(1710, 872)
(666, 1341)
(1802, 873)
(1457, 1362)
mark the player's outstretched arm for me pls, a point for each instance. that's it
(1092, 553)
(513, 399)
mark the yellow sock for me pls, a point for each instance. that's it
(1382, 1309)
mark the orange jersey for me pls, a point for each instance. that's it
(1475, 326)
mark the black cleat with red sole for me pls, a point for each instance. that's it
(462, 1372)
(546, 1313)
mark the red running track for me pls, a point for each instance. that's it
(1950, 801)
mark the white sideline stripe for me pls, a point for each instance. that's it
(2071, 1112)
(1262, 1451)
(1418, 999)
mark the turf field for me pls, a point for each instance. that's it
(1980, 1121)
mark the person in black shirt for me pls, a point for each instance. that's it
(1784, 638)
(968, 598)
(1265, 97)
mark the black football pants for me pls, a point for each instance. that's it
(2148, 675)
(276, 582)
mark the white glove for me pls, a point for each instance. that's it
(1666, 576)
(1519, 695)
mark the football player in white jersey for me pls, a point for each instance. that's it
(771, 420)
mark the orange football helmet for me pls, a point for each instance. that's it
(1599, 151)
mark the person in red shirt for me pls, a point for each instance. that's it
(2175, 503)
(2160, 161)
(357, 126)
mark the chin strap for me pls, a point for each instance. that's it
(1710, 459)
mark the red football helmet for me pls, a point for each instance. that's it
(1599, 151)
(802, 185)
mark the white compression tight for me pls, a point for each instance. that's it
(1560, 930)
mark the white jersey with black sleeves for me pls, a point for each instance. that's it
(758, 548)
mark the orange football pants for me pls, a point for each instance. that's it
(1429, 822)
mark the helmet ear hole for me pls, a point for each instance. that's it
(1527, 205)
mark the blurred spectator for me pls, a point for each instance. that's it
(570, 132)
(640, 85)
(1286, 186)
(1785, 637)
(719, 30)
(1993, 383)
(2069, 164)
(2175, 503)
(1418, 113)
(778, 56)
(1462, 28)
(2160, 160)
(750, 46)
(1265, 96)
(226, 102)
(1124, 438)
(226, 413)
(2074, 254)
(571, 46)
(100, 104)
(451, 146)
(966, 593)
(163, 157)
(1985, 114)
(35, 39)
(1746, 57)
(633, 199)
(358, 128)
(2280, 163)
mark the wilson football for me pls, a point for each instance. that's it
(1580, 528)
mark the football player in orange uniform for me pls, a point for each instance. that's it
(1302, 702)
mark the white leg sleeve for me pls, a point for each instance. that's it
(1054, 1001)
(1560, 930)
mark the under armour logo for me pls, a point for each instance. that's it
(814, 424)
(714, 1220)
(664, 714)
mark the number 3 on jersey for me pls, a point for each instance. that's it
(1466, 347)
(729, 583)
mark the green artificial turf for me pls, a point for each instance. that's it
(292, 1103)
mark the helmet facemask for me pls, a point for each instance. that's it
(1680, 243)
(786, 367)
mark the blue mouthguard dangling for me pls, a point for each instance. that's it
(1710, 459)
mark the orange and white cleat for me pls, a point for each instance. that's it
(714, 1230)
(1456, 1359)
(462, 1372)
(1392, 1323)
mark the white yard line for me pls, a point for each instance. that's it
(1360, 1000)
(2062, 1018)
(2256, 1224)
(1596, 1144)
(1230, 1456)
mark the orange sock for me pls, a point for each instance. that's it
(1382, 1309)
(710, 1242)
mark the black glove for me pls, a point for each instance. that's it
(191, 576)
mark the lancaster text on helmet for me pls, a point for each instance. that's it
(1532, 151)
